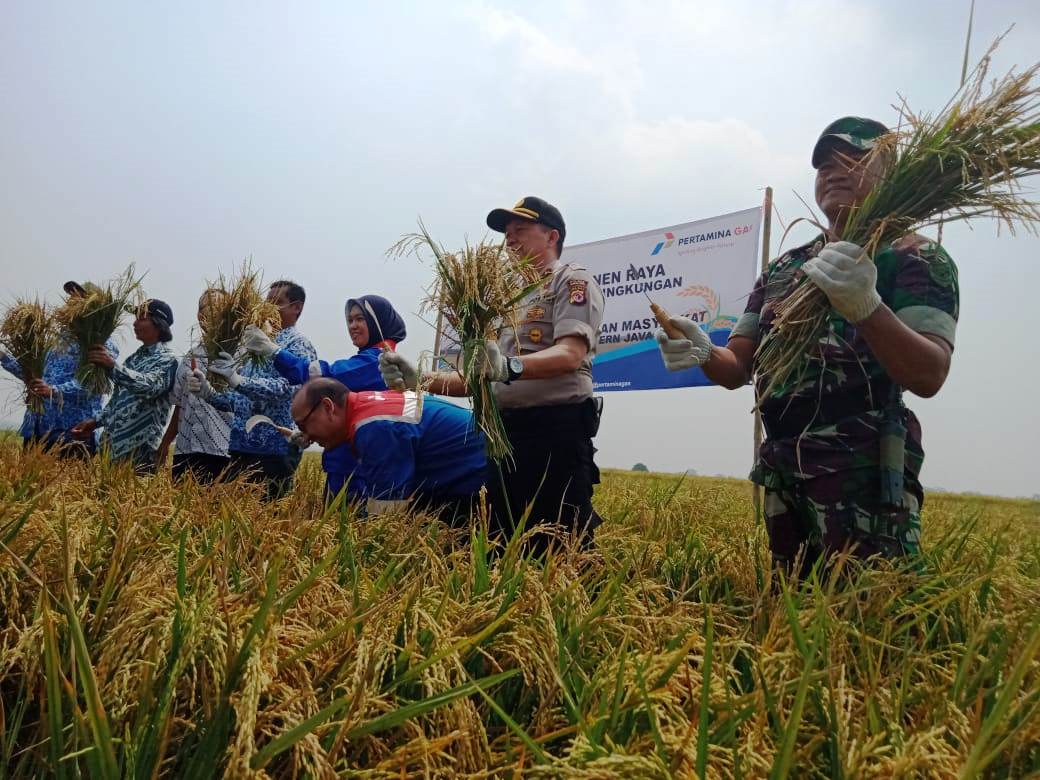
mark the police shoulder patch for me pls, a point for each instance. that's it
(577, 291)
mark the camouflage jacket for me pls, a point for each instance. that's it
(830, 416)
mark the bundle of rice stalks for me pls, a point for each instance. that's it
(91, 319)
(232, 305)
(28, 333)
(968, 161)
(477, 291)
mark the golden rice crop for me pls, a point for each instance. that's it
(966, 162)
(477, 291)
(150, 630)
(230, 306)
(92, 318)
(28, 333)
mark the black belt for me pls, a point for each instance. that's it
(530, 418)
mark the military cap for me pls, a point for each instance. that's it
(856, 132)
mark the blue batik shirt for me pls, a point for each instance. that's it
(71, 404)
(136, 415)
(264, 391)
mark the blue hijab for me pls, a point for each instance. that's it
(387, 324)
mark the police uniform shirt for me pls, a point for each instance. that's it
(568, 304)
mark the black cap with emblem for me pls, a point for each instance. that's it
(532, 209)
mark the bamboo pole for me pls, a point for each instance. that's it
(767, 222)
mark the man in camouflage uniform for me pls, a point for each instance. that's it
(842, 456)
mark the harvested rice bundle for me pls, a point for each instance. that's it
(968, 161)
(28, 333)
(230, 306)
(91, 315)
(477, 291)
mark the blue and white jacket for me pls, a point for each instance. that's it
(71, 404)
(264, 391)
(135, 416)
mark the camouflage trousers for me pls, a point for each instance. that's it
(833, 512)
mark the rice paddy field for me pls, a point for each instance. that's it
(148, 630)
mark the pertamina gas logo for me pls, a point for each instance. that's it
(718, 234)
(669, 239)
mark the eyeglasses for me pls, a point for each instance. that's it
(300, 423)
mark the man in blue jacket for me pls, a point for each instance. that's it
(374, 325)
(409, 449)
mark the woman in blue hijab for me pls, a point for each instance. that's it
(373, 325)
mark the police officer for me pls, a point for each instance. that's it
(842, 456)
(543, 384)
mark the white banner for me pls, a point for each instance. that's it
(703, 270)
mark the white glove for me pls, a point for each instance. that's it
(259, 343)
(300, 440)
(199, 385)
(224, 366)
(397, 372)
(489, 363)
(848, 278)
(680, 354)
(379, 507)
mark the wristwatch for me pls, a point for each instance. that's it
(515, 367)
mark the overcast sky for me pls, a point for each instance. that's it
(186, 136)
